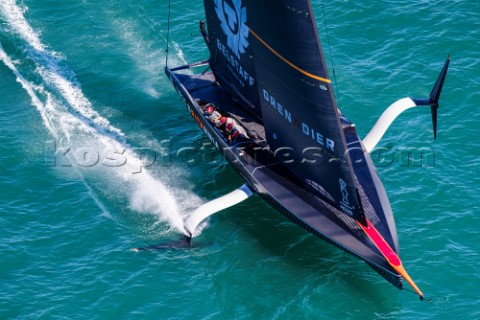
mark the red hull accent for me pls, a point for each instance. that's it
(389, 254)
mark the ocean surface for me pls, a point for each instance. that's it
(98, 155)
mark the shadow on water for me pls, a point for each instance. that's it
(183, 242)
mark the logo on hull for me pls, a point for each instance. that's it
(345, 203)
(343, 189)
(233, 18)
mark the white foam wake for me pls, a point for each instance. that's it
(73, 120)
(28, 86)
(15, 17)
(51, 70)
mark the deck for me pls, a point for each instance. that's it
(204, 88)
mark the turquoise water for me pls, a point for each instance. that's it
(99, 155)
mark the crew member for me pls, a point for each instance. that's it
(211, 113)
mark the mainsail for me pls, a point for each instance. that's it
(268, 54)
(231, 55)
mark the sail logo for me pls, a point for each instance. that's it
(233, 18)
(307, 129)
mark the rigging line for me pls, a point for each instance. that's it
(168, 33)
(308, 74)
(337, 96)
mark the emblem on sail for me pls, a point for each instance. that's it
(233, 19)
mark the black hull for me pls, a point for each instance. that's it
(275, 183)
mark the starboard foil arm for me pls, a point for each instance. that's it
(214, 206)
(395, 109)
(384, 122)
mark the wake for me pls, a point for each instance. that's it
(71, 119)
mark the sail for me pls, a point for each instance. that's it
(276, 43)
(231, 56)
